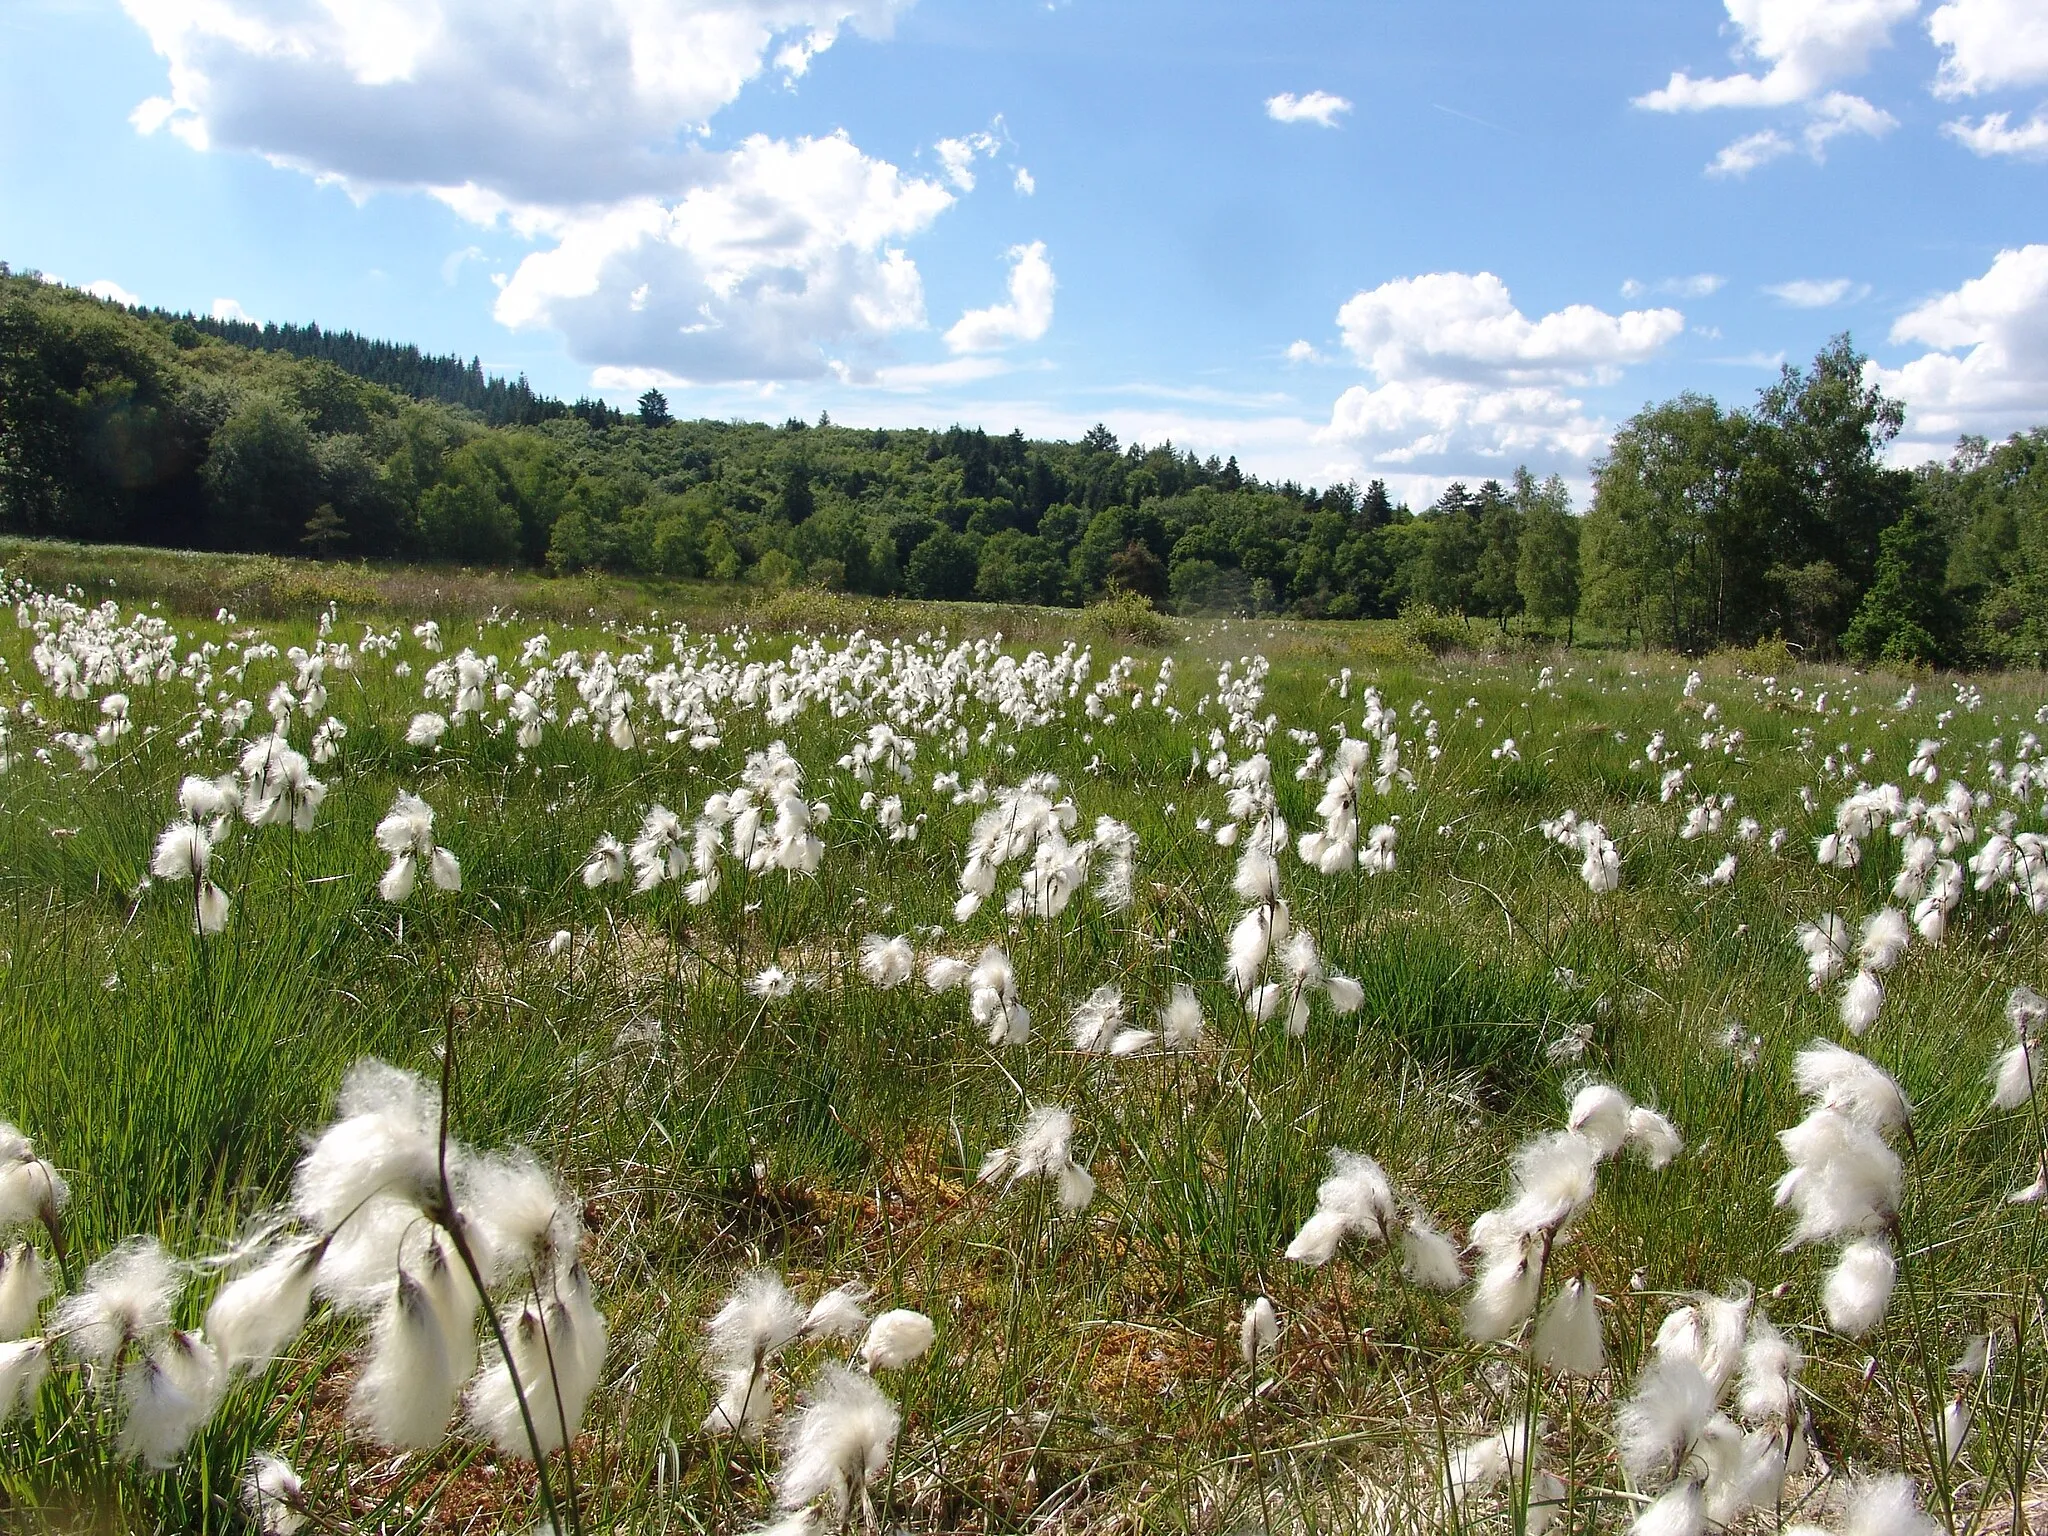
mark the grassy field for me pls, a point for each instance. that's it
(722, 1088)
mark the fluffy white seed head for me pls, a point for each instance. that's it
(1833, 1077)
(255, 1316)
(887, 962)
(1656, 1423)
(1567, 1336)
(757, 1320)
(24, 1283)
(1257, 1331)
(837, 1314)
(1862, 1001)
(838, 1445)
(273, 1496)
(127, 1296)
(1599, 1112)
(166, 1397)
(1858, 1290)
(1180, 1021)
(406, 1392)
(895, 1339)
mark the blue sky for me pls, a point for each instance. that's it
(1336, 239)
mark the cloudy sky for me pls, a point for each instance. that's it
(1334, 237)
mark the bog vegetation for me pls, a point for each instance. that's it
(489, 1073)
(1708, 526)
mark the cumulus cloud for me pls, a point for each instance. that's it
(957, 156)
(1827, 119)
(793, 246)
(1816, 292)
(106, 288)
(229, 309)
(1804, 46)
(578, 124)
(1989, 45)
(1700, 285)
(1996, 135)
(1024, 182)
(543, 101)
(1023, 317)
(1987, 370)
(1318, 107)
(1303, 352)
(1458, 369)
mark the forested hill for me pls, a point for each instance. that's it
(1709, 525)
(400, 367)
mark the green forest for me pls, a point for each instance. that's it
(1709, 526)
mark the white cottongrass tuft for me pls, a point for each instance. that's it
(1825, 943)
(1862, 1001)
(837, 1314)
(942, 973)
(1044, 1149)
(1356, 1200)
(273, 1496)
(1504, 1291)
(1844, 1181)
(756, 1322)
(166, 1397)
(1097, 1019)
(1257, 1331)
(406, 1392)
(30, 1189)
(895, 1339)
(24, 1283)
(126, 1298)
(1679, 1511)
(1835, 1077)
(838, 1445)
(1858, 1290)
(1567, 1336)
(24, 1367)
(1180, 1021)
(1656, 1424)
(256, 1315)
(1710, 1332)
(1886, 933)
(606, 864)
(887, 962)
(407, 834)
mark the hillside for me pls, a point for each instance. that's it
(1710, 526)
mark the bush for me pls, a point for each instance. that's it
(1128, 617)
(1425, 626)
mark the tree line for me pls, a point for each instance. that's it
(1707, 526)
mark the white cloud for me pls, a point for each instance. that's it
(1458, 370)
(1817, 293)
(578, 124)
(957, 156)
(1838, 113)
(544, 101)
(229, 309)
(1988, 370)
(452, 264)
(1806, 45)
(1749, 152)
(1995, 135)
(1989, 45)
(793, 247)
(1303, 352)
(1023, 317)
(105, 288)
(1024, 182)
(1700, 285)
(1827, 119)
(1465, 325)
(1318, 107)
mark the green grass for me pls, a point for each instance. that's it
(1086, 1374)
